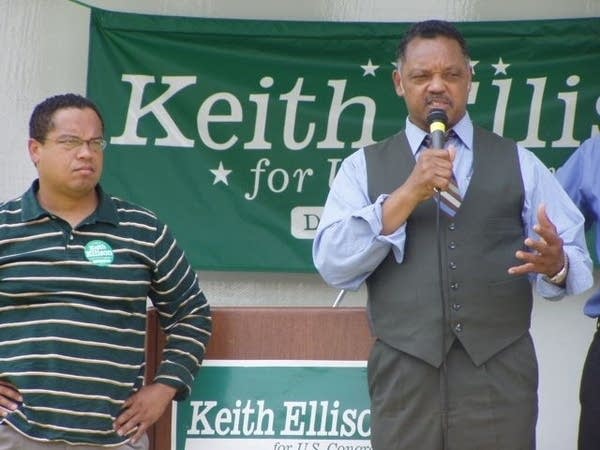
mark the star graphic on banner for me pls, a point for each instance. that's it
(500, 67)
(473, 64)
(221, 174)
(369, 69)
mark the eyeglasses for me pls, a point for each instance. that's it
(73, 142)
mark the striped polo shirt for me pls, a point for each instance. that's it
(73, 315)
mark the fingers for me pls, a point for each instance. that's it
(452, 153)
(533, 262)
(139, 432)
(550, 244)
(537, 263)
(546, 229)
(129, 420)
(432, 171)
(542, 216)
(135, 427)
(142, 409)
(130, 423)
(10, 391)
(545, 255)
(10, 399)
(541, 258)
(523, 269)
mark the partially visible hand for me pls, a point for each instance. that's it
(10, 397)
(432, 173)
(433, 170)
(546, 255)
(142, 409)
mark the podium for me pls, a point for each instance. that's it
(269, 333)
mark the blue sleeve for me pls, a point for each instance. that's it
(580, 178)
(542, 188)
(348, 245)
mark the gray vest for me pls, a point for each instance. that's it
(487, 309)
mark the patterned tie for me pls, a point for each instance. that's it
(450, 199)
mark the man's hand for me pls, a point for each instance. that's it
(546, 256)
(9, 398)
(142, 409)
(432, 171)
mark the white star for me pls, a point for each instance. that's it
(473, 64)
(369, 68)
(500, 67)
(221, 174)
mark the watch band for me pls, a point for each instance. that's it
(561, 276)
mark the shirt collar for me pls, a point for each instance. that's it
(106, 210)
(463, 129)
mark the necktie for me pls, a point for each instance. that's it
(449, 199)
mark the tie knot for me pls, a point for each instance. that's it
(426, 141)
(448, 138)
(452, 138)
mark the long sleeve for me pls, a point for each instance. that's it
(184, 315)
(348, 245)
(541, 187)
(579, 177)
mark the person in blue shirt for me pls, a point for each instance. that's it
(580, 178)
(453, 366)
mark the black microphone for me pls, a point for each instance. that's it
(437, 120)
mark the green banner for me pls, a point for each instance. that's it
(276, 405)
(232, 130)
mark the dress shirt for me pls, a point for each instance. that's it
(349, 245)
(579, 176)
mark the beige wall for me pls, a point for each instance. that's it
(44, 52)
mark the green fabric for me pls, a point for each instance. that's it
(73, 315)
(281, 103)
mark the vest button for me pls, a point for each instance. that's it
(458, 327)
(452, 265)
(454, 285)
(456, 306)
(452, 226)
(452, 245)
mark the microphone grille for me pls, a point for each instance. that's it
(437, 115)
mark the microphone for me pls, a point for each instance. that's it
(437, 120)
(339, 298)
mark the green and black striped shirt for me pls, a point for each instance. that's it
(73, 315)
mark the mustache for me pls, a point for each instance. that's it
(438, 99)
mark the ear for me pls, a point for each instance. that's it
(470, 80)
(397, 78)
(470, 72)
(34, 150)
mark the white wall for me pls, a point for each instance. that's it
(44, 52)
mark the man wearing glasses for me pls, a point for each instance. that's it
(76, 269)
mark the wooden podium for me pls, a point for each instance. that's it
(272, 334)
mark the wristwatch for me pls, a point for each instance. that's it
(561, 276)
